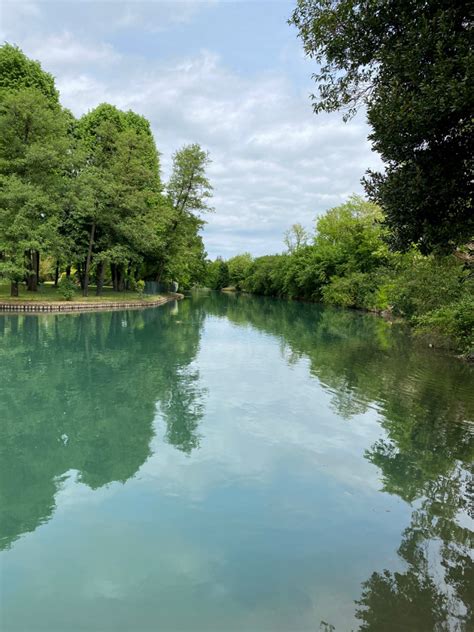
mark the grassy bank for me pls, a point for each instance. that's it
(47, 293)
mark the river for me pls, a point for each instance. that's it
(232, 463)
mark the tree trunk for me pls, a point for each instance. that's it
(36, 266)
(68, 271)
(120, 279)
(56, 274)
(14, 288)
(114, 272)
(88, 261)
(129, 274)
(32, 276)
(159, 274)
(100, 279)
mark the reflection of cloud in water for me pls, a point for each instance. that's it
(251, 432)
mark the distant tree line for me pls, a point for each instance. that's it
(84, 197)
(347, 262)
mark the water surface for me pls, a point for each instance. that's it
(231, 463)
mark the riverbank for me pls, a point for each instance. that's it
(48, 299)
(430, 334)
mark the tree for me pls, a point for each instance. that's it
(239, 269)
(88, 193)
(17, 72)
(349, 238)
(21, 126)
(295, 237)
(410, 64)
(33, 153)
(217, 274)
(188, 194)
(115, 217)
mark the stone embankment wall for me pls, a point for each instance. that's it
(78, 306)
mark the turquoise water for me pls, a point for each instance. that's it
(232, 463)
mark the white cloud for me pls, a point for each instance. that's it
(65, 50)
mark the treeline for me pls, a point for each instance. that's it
(83, 199)
(347, 262)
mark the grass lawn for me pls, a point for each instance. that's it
(47, 293)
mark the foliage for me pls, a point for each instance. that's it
(349, 264)
(87, 194)
(239, 268)
(17, 72)
(140, 287)
(296, 237)
(347, 291)
(67, 288)
(181, 251)
(410, 64)
(217, 274)
(426, 283)
(454, 322)
(33, 153)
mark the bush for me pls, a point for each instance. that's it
(454, 321)
(342, 291)
(140, 287)
(362, 290)
(67, 288)
(423, 284)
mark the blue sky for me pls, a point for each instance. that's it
(228, 75)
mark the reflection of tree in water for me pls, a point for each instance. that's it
(425, 458)
(80, 393)
(183, 409)
(436, 591)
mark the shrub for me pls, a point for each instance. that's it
(358, 289)
(341, 291)
(140, 286)
(67, 288)
(423, 284)
(454, 321)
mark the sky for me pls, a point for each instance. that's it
(229, 75)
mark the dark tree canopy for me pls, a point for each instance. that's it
(410, 63)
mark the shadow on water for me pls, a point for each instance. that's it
(81, 392)
(426, 406)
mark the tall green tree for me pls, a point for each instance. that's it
(188, 194)
(17, 72)
(410, 64)
(239, 268)
(217, 274)
(120, 178)
(33, 154)
(24, 77)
